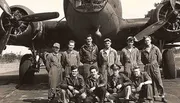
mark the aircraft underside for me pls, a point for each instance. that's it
(20, 26)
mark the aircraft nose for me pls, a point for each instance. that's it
(89, 5)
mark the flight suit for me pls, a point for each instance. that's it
(130, 59)
(152, 60)
(88, 56)
(55, 70)
(78, 84)
(146, 90)
(70, 58)
(106, 60)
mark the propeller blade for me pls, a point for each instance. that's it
(4, 40)
(173, 3)
(5, 7)
(39, 17)
(150, 29)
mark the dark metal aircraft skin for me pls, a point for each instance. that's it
(83, 21)
(78, 24)
(20, 26)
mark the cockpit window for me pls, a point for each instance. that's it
(88, 5)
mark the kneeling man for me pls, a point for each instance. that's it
(73, 87)
(142, 85)
(95, 86)
(119, 85)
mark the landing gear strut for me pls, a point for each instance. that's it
(28, 66)
(26, 76)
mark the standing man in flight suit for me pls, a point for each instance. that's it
(151, 57)
(107, 57)
(130, 57)
(55, 70)
(70, 57)
(88, 56)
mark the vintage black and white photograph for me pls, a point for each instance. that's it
(89, 51)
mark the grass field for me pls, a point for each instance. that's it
(177, 60)
(8, 67)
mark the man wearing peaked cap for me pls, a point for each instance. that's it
(119, 85)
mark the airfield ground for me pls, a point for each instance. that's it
(11, 92)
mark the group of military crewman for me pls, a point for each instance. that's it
(100, 76)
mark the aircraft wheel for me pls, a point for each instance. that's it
(25, 75)
(169, 67)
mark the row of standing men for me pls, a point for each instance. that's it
(89, 55)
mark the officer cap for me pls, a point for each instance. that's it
(73, 67)
(115, 67)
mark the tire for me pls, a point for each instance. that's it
(25, 75)
(169, 67)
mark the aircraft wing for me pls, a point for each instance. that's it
(44, 35)
(163, 24)
(19, 20)
(55, 31)
(135, 23)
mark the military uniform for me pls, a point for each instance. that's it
(146, 90)
(98, 92)
(78, 84)
(55, 70)
(130, 59)
(88, 56)
(152, 60)
(106, 59)
(70, 58)
(113, 82)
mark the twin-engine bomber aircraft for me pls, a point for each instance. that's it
(101, 18)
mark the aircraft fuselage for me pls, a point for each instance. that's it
(85, 21)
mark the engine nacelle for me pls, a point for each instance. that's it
(171, 29)
(22, 32)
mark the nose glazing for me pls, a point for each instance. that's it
(88, 5)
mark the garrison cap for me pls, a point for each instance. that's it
(56, 45)
(107, 39)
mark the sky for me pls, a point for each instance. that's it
(131, 9)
